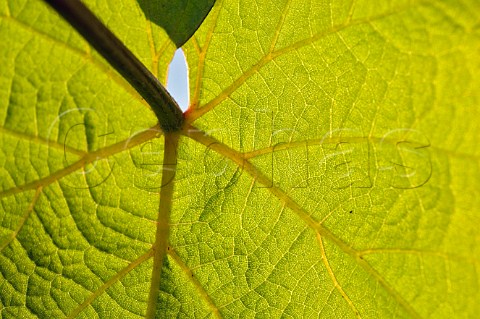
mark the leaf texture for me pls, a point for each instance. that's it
(328, 167)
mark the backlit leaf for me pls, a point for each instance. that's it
(329, 166)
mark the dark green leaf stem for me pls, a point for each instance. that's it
(122, 59)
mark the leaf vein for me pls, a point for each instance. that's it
(202, 55)
(253, 171)
(336, 284)
(163, 228)
(222, 96)
(196, 283)
(84, 55)
(19, 227)
(109, 283)
(87, 159)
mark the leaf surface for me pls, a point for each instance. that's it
(328, 168)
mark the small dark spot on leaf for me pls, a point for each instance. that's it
(351, 212)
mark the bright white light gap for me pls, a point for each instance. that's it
(177, 79)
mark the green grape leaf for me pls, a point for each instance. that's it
(328, 166)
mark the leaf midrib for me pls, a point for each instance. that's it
(162, 233)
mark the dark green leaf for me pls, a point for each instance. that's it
(179, 18)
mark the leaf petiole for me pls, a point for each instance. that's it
(123, 60)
